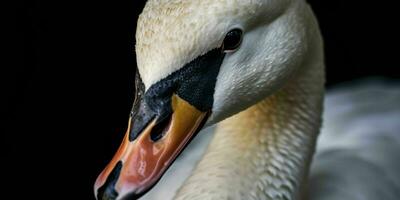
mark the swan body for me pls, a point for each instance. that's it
(358, 145)
(267, 98)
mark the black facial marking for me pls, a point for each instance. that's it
(146, 108)
(195, 83)
(141, 115)
(107, 191)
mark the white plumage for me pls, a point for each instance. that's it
(268, 99)
(358, 150)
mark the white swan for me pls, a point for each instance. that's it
(257, 67)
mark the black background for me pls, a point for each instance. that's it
(68, 103)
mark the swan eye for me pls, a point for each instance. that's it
(232, 40)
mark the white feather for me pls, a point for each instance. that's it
(358, 151)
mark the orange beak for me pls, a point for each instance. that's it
(139, 164)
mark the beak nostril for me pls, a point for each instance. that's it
(160, 129)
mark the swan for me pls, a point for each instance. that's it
(255, 70)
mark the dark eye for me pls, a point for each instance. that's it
(232, 40)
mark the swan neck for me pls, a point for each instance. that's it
(263, 152)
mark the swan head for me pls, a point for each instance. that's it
(199, 62)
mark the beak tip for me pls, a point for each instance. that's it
(106, 191)
(130, 196)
